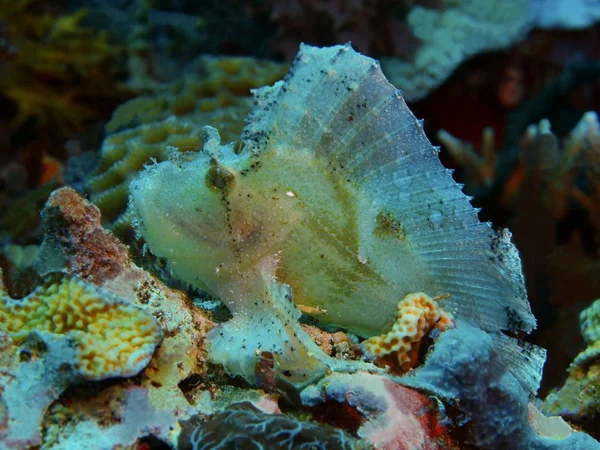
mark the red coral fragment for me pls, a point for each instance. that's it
(93, 253)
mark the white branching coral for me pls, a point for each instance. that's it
(457, 31)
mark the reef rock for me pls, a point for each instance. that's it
(484, 399)
(388, 416)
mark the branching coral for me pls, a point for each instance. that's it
(58, 66)
(543, 186)
(479, 165)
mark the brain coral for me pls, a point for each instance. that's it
(112, 337)
(337, 203)
(216, 93)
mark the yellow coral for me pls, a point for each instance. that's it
(417, 315)
(112, 337)
(59, 66)
(216, 92)
(145, 128)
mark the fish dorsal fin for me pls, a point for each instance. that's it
(339, 105)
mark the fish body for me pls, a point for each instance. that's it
(338, 200)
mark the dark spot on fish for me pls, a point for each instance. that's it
(387, 226)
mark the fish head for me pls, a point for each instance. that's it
(207, 215)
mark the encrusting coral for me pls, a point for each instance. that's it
(40, 367)
(75, 241)
(489, 404)
(380, 411)
(216, 91)
(112, 337)
(337, 201)
(418, 314)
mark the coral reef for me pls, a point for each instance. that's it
(175, 384)
(478, 165)
(111, 337)
(215, 91)
(293, 265)
(552, 196)
(417, 315)
(564, 14)
(74, 240)
(590, 329)
(374, 27)
(578, 400)
(324, 151)
(34, 374)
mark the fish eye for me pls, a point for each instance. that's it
(219, 178)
